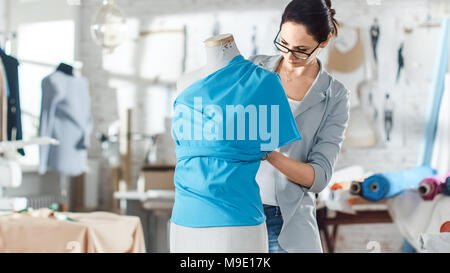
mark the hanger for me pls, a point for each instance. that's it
(65, 68)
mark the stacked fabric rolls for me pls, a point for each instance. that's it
(384, 185)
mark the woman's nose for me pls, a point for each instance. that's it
(289, 56)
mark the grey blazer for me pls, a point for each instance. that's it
(65, 116)
(321, 119)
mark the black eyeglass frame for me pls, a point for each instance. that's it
(293, 51)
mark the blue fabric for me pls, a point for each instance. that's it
(14, 122)
(437, 91)
(407, 247)
(274, 222)
(215, 176)
(392, 183)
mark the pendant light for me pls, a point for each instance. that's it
(108, 27)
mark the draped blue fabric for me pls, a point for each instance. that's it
(222, 125)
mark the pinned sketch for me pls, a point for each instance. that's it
(401, 61)
(374, 35)
(346, 53)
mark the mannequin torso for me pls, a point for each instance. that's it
(220, 50)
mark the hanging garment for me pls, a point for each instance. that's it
(374, 35)
(384, 185)
(401, 61)
(218, 156)
(14, 123)
(346, 61)
(3, 102)
(388, 116)
(65, 116)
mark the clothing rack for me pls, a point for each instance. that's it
(77, 65)
(6, 37)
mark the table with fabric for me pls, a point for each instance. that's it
(95, 232)
(415, 217)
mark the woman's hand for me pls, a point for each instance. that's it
(296, 171)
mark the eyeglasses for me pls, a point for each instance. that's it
(297, 53)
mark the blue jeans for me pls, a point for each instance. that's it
(274, 222)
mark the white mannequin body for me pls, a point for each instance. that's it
(220, 50)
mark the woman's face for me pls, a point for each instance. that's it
(296, 37)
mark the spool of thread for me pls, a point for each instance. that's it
(445, 187)
(445, 227)
(429, 187)
(356, 188)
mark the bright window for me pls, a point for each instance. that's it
(40, 48)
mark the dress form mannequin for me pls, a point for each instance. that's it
(220, 50)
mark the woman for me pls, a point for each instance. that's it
(293, 174)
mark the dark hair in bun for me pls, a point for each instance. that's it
(316, 15)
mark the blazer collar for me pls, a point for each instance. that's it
(317, 91)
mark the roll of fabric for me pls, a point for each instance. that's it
(445, 187)
(356, 188)
(445, 227)
(429, 187)
(384, 185)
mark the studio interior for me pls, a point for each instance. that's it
(93, 95)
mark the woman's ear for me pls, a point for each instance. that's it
(324, 44)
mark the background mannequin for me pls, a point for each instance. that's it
(220, 50)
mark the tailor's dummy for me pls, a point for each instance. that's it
(220, 50)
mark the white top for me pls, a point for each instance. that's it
(266, 175)
(295, 104)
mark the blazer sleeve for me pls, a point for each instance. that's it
(86, 123)
(329, 139)
(50, 99)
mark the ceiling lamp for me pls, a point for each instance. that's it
(108, 27)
